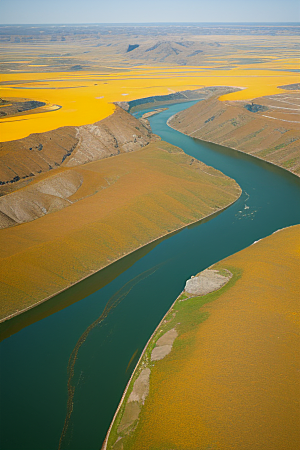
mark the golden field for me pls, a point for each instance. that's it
(84, 73)
(87, 97)
(232, 377)
(120, 204)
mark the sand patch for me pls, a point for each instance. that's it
(207, 281)
(160, 352)
(168, 338)
(131, 414)
(136, 399)
(141, 387)
(164, 345)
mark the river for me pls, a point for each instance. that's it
(140, 288)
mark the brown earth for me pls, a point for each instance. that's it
(70, 146)
(266, 127)
(32, 195)
(292, 87)
(39, 198)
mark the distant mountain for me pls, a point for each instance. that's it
(179, 52)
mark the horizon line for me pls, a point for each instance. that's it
(150, 23)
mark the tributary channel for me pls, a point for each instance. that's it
(143, 286)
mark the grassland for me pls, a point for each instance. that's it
(94, 212)
(231, 379)
(120, 204)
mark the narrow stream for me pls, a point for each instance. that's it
(140, 289)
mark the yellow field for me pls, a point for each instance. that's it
(232, 381)
(124, 202)
(87, 97)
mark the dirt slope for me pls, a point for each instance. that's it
(40, 198)
(70, 146)
(266, 127)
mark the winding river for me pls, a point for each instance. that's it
(138, 290)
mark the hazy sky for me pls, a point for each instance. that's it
(129, 11)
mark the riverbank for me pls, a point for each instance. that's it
(258, 360)
(266, 128)
(236, 150)
(205, 218)
(144, 195)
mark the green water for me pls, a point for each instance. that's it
(141, 288)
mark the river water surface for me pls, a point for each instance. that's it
(140, 288)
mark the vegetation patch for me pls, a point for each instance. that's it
(254, 107)
(178, 327)
(290, 162)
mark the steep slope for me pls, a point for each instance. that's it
(43, 197)
(70, 146)
(119, 133)
(266, 127)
